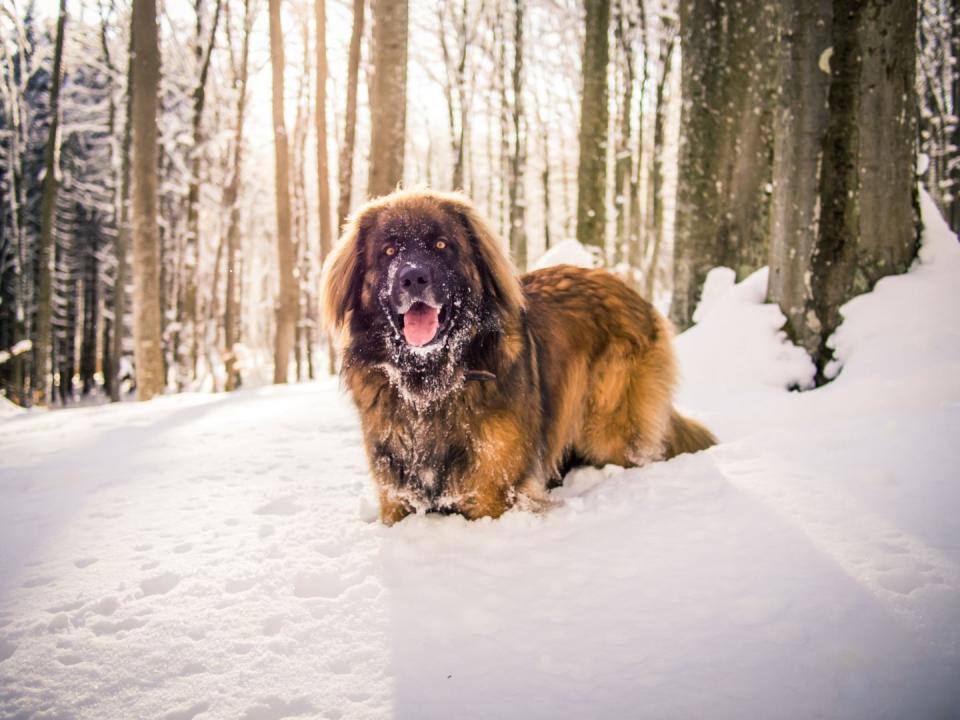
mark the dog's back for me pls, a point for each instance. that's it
(607, 371)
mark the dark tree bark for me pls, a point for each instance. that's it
(287, 300)
(800, 121)
(592, 172)
(726, 144)
(869, 223)
(48, 204)
(146, 277)
(350, 117)
(388, 95)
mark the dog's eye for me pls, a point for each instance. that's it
(441, 244)
(391, 250)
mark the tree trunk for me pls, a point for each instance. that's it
(350, 117)
(869, 206)
(656, 177)
(388, 95)
(146, 278)
(518, 158)
(48, 205)
(231, 195)
(800, 121)
(623, 168)
(726, 148)
(323, 167)
(592, 172)
(287, 301)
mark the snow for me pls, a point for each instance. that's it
(214, 556)
(567, 252)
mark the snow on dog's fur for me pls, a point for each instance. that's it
(477, 390)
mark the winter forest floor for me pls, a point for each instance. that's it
(214, 556)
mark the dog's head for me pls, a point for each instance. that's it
(415, 278)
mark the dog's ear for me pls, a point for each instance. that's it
(341, 281)
(497, 273)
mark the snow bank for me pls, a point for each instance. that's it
(908, 317)
(8, 408)
(737, 343)
(567, 252)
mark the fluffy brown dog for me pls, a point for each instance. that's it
(478, 390)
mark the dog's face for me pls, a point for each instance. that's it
(415, 279)
(419, 280)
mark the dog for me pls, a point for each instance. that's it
(478, 390)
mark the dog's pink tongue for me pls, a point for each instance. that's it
(420, 324)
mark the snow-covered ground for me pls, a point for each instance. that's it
(211, 556)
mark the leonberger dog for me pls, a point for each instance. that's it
(477, 390)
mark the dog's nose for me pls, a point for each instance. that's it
(414, 277)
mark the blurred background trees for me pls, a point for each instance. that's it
(669, 136)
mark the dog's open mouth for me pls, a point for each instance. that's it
(422, 323)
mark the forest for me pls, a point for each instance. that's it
(173, 174)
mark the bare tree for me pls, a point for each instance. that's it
(146, 278)
(726, 147)
(388, 95)
(323, 166)
(350, 116)
(48, 204)
(518, 156)
(287, 300)
(592, 172)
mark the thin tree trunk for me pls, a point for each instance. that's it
(189, 305)
(287, 300)
(388, 96)
(230, 312)
(350, 117)
(592, 171)
(623, 167)
(48, 205)
(146, 279)
(518, 159)
(657, 179)
(323, 168)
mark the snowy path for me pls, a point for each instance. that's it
(213, 557)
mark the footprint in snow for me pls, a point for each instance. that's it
(275, 708)
(187, 713)
(38, 581)
(318, 584)
(183, 548)
(159, 585)
(7, 649)
(281, 506)
(84, 562)
(106, 627)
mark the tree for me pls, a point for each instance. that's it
(518, 156)
(323, 166)
(230, 202)
(592, 172)
(388, 95)
(287, 301)
(48, 203)
(146, 271)
(345, 173)
(726, 145)
(868, 205)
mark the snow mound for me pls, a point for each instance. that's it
(568, 252)
(8, 409)
(886, 333)
(738, 342)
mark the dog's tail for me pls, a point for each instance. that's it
(686, 436)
